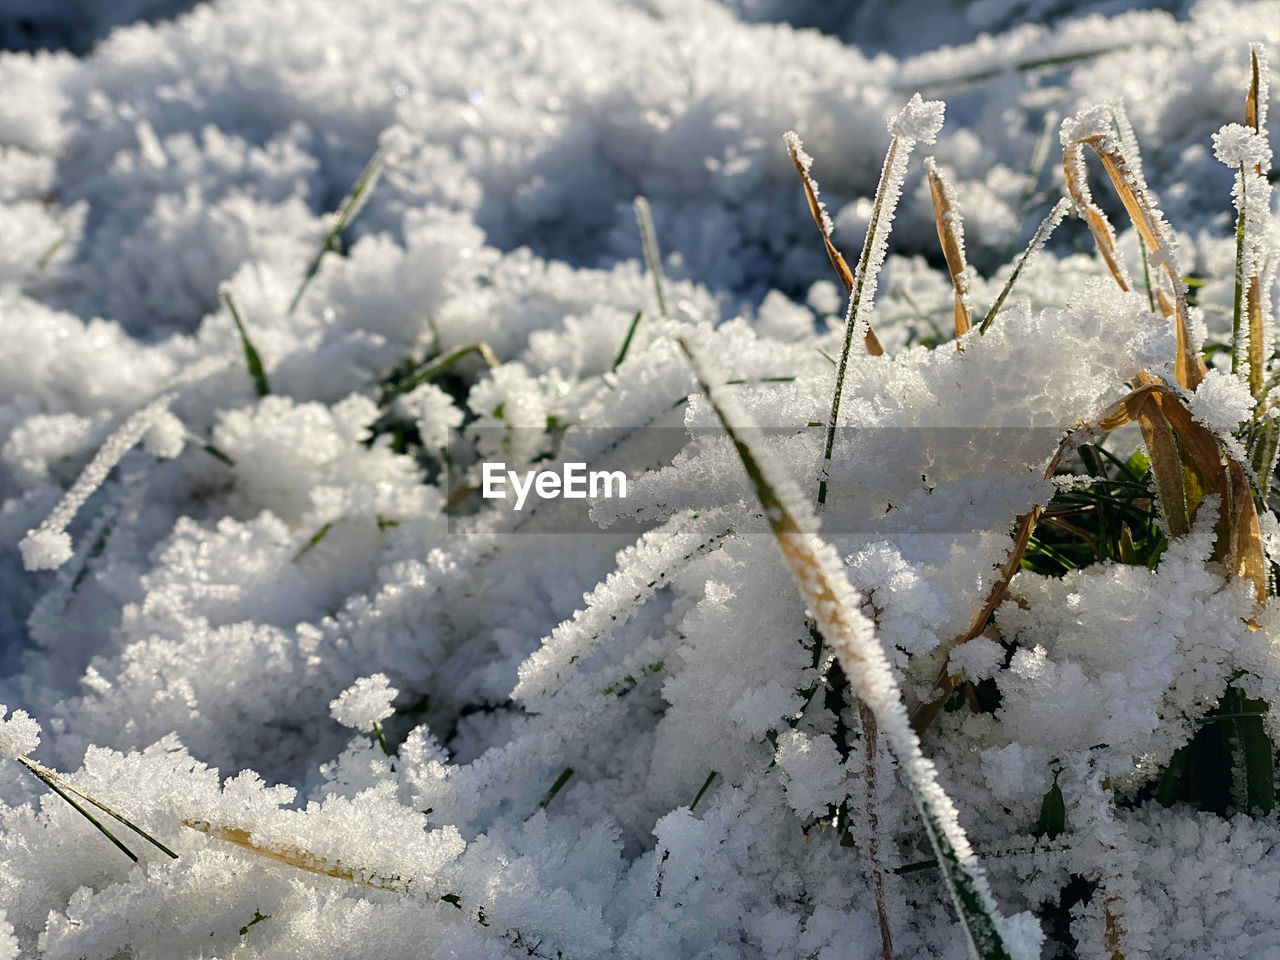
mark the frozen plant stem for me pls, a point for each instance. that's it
(437, 366)
(918, 121)
(706, 785)
(820, 577)
(1047, 226)
(48, 546)
(652, 259)
(556, 787)
(626, 342)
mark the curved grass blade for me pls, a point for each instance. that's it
(1091, 128)
(803, 164)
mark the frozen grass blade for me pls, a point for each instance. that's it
(835, 606)
(298, 858)
(817, 209)
(870, 750)
(1038, 240)
(556, 787)
(1093, 128)
(302, 859)
(950, 224)
(917, 122)
(640, 570)
(706, 785)
(251, 358)
(652, 258)
(48, 546)
(626, 341)
(347, 212)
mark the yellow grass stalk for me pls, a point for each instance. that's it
(297, 857)
(802, 162)
(1146, 217)
(950, 224)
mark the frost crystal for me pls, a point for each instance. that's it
(45, 549)
(166, 437)
(19, 734)
(1221, 402)
(920, 120)
(364, 703)
(1237, 145)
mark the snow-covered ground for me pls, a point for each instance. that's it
(259, 610)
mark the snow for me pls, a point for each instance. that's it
(1221, 402)
(221, 605)
(19, 734)
(1237, 145)
(364, 703)
(919, 120)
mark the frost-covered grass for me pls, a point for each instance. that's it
(938, 620)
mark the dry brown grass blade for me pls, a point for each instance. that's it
(1251, 102)
(1254, 295)
(1189, 367)
(947, 218)
(1104, 236)
(801, 161)
(1239, 543)
(1166, 463)
(295, 857)
(1253, 300)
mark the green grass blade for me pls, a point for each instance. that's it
(433, 368)
(706, 785)
(1047, 226)
(626, 343)
(347, 212)
(1053, 813)
(58, 784)
(556, 787)
(1258, 754)
(251, 358)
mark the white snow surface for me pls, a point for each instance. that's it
(605, 736)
